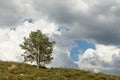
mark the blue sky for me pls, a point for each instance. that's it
(82, 46)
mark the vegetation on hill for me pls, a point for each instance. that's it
(22, 71)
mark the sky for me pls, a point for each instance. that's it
(86, 32)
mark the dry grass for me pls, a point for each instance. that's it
(27, 72)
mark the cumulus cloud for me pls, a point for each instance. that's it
(103, 59)
(62, 59)
(10, 40)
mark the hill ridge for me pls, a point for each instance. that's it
(22, 71)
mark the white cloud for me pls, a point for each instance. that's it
(10, 50)
(10, 39)
(102, 59)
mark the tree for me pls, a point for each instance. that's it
(37, 48)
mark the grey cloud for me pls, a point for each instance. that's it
(9, 13)
(63, 60)
(100, 23)
(116, 60)
(61, 54)
(57, 11)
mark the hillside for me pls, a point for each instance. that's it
(20, 71)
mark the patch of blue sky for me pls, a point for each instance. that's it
(63, 28)
(30, 20)
(13, 28)
(81, 47)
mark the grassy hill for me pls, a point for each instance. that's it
(20, 71)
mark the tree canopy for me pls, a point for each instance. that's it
(38, 48)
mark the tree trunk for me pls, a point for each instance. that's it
(38, 65)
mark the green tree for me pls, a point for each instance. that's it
(38, 48)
